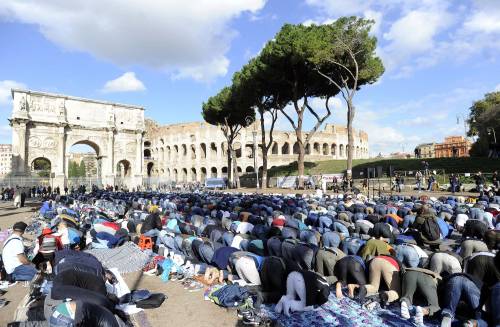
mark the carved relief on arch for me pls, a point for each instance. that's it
(49, 143)
(34, 142)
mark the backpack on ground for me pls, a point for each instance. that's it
(229, 296)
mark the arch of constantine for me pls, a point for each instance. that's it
(194, 151)
(45, 126)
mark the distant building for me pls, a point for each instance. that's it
(5, 159)
(426, 150)
(89, 160)
(453, 146)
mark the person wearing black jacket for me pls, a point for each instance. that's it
(152, 225)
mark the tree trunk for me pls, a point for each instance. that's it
(350, 138)
(264, 184)
(236, 175)
(300, 141)
(229, 171)
(300, 161)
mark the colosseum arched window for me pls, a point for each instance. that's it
(316, 148)
(341, 150)
(325, 149)
(285, 149)
(203, 174)
(296, 148)
(203, 149)
(184, 150)
(274, 149)
(213, 172)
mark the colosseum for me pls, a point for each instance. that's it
(194, 151)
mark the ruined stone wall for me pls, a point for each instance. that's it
(193, 151)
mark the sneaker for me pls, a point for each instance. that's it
(245, 313)
(419, 316)
(5, 284)
(195, 287)
(255, 320)
(405, 312)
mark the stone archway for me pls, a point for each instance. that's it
(41, 167)
(47, 125)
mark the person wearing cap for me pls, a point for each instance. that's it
(15, 261)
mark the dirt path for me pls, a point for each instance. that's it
(180, 309)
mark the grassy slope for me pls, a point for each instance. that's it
(449, 165)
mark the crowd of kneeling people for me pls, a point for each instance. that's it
(437, 258)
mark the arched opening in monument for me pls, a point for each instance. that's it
(249, 150)
(274, 149)
(341, 150)
(316, 148)
(176, 152)
(239, 169)
(149, 169)
(213, 150)
(237, 149)
(162, 154)
(308, 149)
(193, 152)
(334, 149)
(168, 153)
(325, 149)
(203, 148)
(176, 174)
(193, 174)
(123, 169)
(224, 171)
(184, 175)
(147, 144)
(203, 174)
(147, 154)
(296, 148)
(84, 160)
(168, 173)
(184, 150)
(285, 149)
(249, 170)
(41, 167)
(213, 172)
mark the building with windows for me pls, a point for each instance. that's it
(453, 146)
(194, 151)
(426, 150)
(5, 159)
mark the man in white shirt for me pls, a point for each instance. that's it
(15, 261)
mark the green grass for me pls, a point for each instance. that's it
(449, 165)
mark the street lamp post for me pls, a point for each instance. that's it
(256, 170)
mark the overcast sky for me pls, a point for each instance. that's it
(170, 56)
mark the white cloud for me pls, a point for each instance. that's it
(5, 90)
(497, 88)
(485, 18)
(418, 34)
(404, 45)
(125, 83)
(181, 37)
